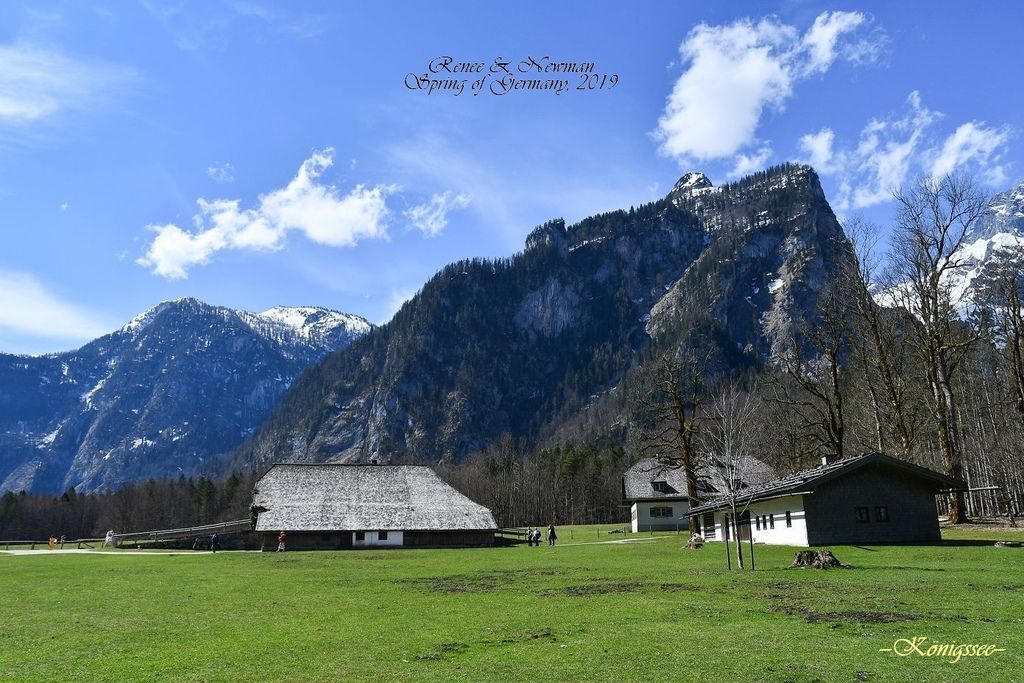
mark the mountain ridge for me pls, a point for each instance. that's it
(177, 384)
(489, 347)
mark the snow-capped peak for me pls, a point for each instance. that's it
(694, 180)
(143, 319)
(997, 235)
(314, 322)
(1005, 214)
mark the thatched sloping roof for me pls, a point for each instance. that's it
(363, 497)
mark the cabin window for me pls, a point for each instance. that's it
(771, 521)
(789, 519)
(861, 514)
(660, 486)
(360, 535)
(382, 535)
(757, 522)
(882, 513)
(661, 511)
(709, 525)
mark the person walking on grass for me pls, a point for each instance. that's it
(529, 535)
(536, 537)
(552, 536)
(282, 538)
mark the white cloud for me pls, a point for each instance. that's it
(318, 211)
(431, 218)
(748, 163)
(36, 83)
(26, 307)
(822, 38)
(224, 173)
(733, 73)
(973, 142)
(817, 149)
(891, 150)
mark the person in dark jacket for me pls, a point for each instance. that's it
(551, 534)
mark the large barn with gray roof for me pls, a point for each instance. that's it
(354, 506)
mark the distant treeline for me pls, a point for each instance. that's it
(571, 484)
(153, 504)
(567, 485)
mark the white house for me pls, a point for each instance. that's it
(657, 492)
(870, 498)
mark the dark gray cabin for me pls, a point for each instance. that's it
(866, 499)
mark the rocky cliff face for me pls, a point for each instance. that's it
(514, 345)
(177, 385)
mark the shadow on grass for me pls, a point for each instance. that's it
(950, 542)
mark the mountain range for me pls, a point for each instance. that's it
(548, 341)
(173, 388)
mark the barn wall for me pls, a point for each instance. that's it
(371, 539)
(309, 540)
(426, 539)
(338, 540)
(909, 500)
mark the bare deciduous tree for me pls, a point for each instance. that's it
(728, 439)
(933, 219)
(877, 342)
(673, 410)
(814, 386)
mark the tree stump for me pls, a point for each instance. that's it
(816, 559)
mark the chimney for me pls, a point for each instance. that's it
(829, 459)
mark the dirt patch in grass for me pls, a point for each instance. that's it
(536, 634)
(480, 582)
(859, 616)
(587, 590)
(444, 650)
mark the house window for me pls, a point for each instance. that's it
(382, 535)
(771, 521)
(661, 511)
(725, 526)
(882, 513)
(789, 519)
(709, 525)
(757, 522)
(660, 486)
(360, 535)
(862, 514)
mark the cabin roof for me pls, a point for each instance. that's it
(638, 480)
(331, 497)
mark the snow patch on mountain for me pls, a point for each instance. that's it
(315, 323)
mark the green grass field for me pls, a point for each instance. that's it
(642, 611)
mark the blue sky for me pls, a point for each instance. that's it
(252, 154)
